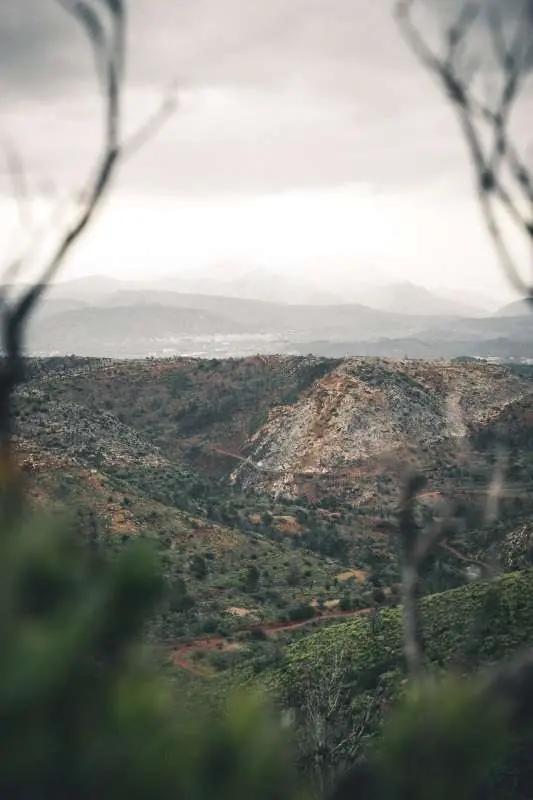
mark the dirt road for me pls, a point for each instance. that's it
(181, 655)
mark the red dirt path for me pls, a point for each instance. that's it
(182, 654)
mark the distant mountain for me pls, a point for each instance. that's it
(124, 331)
(137, 323)
(245, 312)
(50, 306)
(409, 298)
(101, 316)
(255, 284)
(500, 348)
(92, 287)
(472, 298)
(520, 308)
(260, 284)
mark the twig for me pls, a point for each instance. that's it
(412, 555)
(104, 23)
(152, 125)
(494, 157)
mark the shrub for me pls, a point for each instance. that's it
(178, 598)
(198, 567)
(300, 612)
(84, 714)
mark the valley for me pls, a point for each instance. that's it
(268, 485)
(266, 400)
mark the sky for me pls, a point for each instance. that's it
(307, 140)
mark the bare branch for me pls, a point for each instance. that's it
(411, 557)
(102, 178)
(331, 734)
(104, 23)
(504, 183)
(152, 125)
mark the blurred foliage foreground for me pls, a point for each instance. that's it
(83, 713)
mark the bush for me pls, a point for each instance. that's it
(346, 602)
(178, 598)
(84, 715)
(198, 567)
(300, 612)
(178, 382)
(210, 625)
(251, 581)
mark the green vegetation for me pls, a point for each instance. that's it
(84, 713)
(186, 405)
(341, 682)
(462, 628)
(106, 440)
(249, 575)
(82, 700)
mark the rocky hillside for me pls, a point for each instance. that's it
(269, 484)
(352, 431)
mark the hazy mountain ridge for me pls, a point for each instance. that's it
(259, 284)
(103, 317)
(519, 308)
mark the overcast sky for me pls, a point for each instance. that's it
(307, 139)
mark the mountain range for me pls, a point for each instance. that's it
(104, 317)
(402, 297)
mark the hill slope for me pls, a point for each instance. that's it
(463, 627)
(344, 435)
(147, 448)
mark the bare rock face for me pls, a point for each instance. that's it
(354, 430)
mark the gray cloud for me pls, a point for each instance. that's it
(40, 49)
(319, 45)
(276, 96)
(514, 19)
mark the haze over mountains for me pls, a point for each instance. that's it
(341, 286)
(258, 312)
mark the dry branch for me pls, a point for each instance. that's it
(104, 24)
(504, 182)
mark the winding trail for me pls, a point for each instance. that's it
(181, 654)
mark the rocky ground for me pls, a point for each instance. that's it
(355, 429)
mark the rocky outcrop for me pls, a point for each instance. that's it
(352, 430)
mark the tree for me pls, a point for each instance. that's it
(179, 598)
(251, 581)
(330, 732)
(198, 567)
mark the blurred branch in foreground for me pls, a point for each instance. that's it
(104, 23)
(483, 58)
(83, 712)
